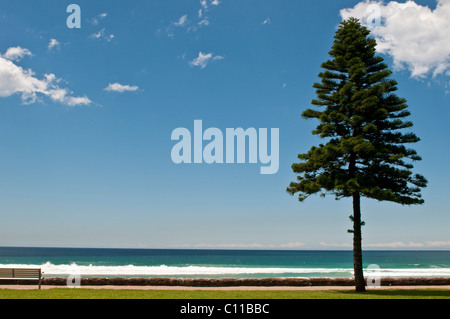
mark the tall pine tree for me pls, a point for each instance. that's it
(365, 128)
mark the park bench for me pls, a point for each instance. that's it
(21, 274)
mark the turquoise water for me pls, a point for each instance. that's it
(222, 263)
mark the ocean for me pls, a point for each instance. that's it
(187, 263)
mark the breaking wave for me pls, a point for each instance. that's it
(50, 270)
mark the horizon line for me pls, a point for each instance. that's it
(231, 248)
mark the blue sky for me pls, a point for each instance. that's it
(87, 116)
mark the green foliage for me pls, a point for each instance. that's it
(364, 125)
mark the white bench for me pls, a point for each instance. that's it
(21, 273)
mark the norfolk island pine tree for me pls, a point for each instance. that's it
(365, 128)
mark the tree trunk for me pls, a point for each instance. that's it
(357, 245)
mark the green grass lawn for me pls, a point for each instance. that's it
(81, 293)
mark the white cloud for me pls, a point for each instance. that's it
(53, 44)
(96, 20)
(102, 35)
(324, 244)
(415, 36)
(15, 80)
(81, 100)
(182, 21)
(203, 59)
(290, 245)
(392, 245)
(231, 245)
(117, 87)
(97, 34)
(204, 22)
(400, 244)
(16, 53)
(267, 21)
(438, 243)
(191, 25)
(298, 245)
(396, 244)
